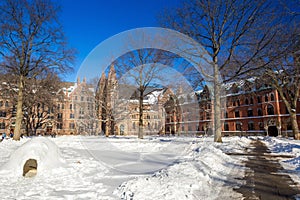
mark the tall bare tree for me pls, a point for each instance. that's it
(39, 106)
(142, 69)
(227, 29)
(31, 42)
(282, 73)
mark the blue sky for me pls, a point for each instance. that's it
(89, 22)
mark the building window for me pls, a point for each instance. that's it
(259, 112)
(2, 125)
(226, 114)
(250, 126)
(247, 101)
(6, 104)
(59, 126)
(266, 98)
(250, 112)
(272, 97)
(237, 113)
(133, 125)
(233, 103)
(238, 126)
(71, 106)
(59, 116)
(270, 110)
(238, 102)
(81, 98)
(207, 116)
(226, 126)
(72, 116)
(261, 126)
(1, 103)
(251, 101)
(72, 126)
(58, 106)
(62, 106)
(2, 114)
(81, 111)
(258, 99)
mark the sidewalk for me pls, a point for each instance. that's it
(265, 178)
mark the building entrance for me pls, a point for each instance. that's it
(272, 130)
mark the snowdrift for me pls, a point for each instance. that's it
(43, 150)
(204, 167)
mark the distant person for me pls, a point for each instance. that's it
(3, 136)
(11, 135)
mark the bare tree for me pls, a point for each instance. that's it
(141, 69)
(227, 29)
(283, 72)
(39, 106)
(31, 42)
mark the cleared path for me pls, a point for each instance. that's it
(265, 178)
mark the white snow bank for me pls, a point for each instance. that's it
(287, 146)
(41, 149)
(204, 172)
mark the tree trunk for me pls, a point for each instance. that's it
(141, 125)
(295, 126)
(106, 131)
(217, 104)
(19, 117)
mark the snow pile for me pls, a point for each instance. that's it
(203, 166)
(41, 149)
(287, 146)
(76, 176)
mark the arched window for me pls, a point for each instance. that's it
(270, 110)
(272, 97)
(250, 126)
(237, 113)
(226, 126)
(266, 98)
(122, 128)
(250, 112)
(258, 99)
(251, 100)
(238, 126)
(259, 112)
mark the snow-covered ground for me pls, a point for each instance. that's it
(287, 146)
(94, 167)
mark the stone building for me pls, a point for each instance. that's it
(76, 111)
(118, 107)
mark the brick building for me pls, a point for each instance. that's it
(72, 111)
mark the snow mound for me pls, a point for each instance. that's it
(43, 150)
(205, 166)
